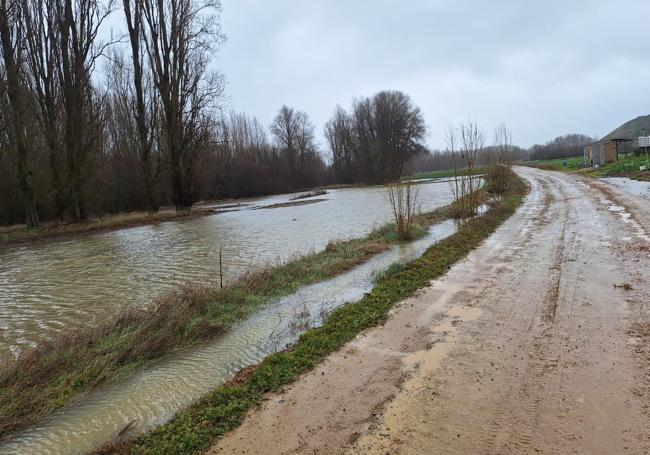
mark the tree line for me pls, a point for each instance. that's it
(62, 129)
(148, 130)
(561, 147)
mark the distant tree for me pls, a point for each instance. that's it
(339, 133)
(381, 135)
(561, 147)
(294, 137)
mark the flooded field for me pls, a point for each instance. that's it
(47, 287)
(153, 395)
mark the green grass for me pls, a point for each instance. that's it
(52, 374)
(626, 166)
(198, 427)
(392, 269)
(571, 163)
(55, 229)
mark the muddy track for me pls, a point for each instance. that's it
(536, 343)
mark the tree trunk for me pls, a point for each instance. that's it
(26, 192)
(149, 186)
(15, 93)
(134, 24)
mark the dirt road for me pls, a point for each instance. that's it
(538, 342)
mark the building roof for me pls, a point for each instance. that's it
(617, 140)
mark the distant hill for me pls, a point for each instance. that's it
(631, 129)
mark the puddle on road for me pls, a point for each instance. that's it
(625, 216)
(634, 187)
(155, 394)
(398, 415)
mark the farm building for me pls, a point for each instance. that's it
(603, 152)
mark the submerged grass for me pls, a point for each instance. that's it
(50, 375)
(309, 194)
(198, 427)
(53, 230)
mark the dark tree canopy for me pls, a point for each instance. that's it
(148, 131)
(375, 141)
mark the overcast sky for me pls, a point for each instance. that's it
(544, 67)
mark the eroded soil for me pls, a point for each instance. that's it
(538, 342)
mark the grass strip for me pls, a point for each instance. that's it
(571, 163)
(441, 174)
(60, 230)
(197, 428)
(57, 371)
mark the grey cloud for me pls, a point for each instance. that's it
(545, 68)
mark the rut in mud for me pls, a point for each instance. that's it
(536, 343)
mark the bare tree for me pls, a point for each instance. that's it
(42, 40)
(561, 147)
(340, 136)
(381, 135)
(403, 196)
(79, 22)
(62, 48)
(143, 104)
(285, 131)
(499, 159)
(11, 38)
(465, 143)
(179, 37)
(294, 137)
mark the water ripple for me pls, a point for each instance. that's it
(48, 287)
(155, 394)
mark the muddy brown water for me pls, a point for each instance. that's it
(48, 287)
(156, 393)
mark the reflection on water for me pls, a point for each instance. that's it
(153, 395)
(49, 286)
